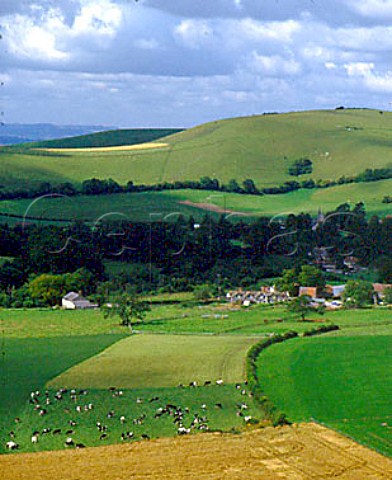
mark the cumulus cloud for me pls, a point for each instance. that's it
(193, 61)
(44, 35)
(274, 65)
(373, 8)
(375, 81)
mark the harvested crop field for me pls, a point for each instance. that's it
(305, 451)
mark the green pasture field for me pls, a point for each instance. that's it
(257, 147)
(167, 205)
(200, 400)
(187, 318)
(161, 361)
(28, 363)
(40, 345)
(48, 323)
(343, 382)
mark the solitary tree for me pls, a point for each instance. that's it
(358, 293)
(300, 305)
(128, 307)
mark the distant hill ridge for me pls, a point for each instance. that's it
(17, 133)
(110, 138)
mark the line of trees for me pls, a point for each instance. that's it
(179, 255)
(95, 186)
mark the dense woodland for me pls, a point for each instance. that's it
(177, 256)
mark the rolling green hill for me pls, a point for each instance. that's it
(338, 142)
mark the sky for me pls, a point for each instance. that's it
(180, 63)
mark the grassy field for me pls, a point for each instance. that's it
(132, 404)
(161, 361)
(28, 363)
(167, 205)
(257, 147)
(46, 347)
(188, 318)
(342, 382)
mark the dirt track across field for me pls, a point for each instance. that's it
(307, 451)
(211, 207)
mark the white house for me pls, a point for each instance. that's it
(74, 301)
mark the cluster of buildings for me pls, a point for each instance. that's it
(330, 296)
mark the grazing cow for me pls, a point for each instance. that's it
(238, 386)
(183, 431)
(56, 431)
(139, 400)
(247, 419)
(145, 436)
(69, 442)
(122, 419)
(104, 436)
(78, 408)
(72, 423)
(80, 445)
(219, 405)
(207, 382)
(70, 432)
(204, 406)
(34, 439)
(219, 382)
(154, 399)
(17, 420)
(193, 384)
(11, 445)
(45, 431)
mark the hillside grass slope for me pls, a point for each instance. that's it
(338, 142)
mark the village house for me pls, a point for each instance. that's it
(265, 295)
(74, 301)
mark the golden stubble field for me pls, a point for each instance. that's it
(118, 148)
(306, 451)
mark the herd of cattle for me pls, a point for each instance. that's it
(77, 405)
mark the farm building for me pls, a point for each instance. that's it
(74, 301)
(264, 295)
(312, 292)
(335, 291)
(379, 291)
